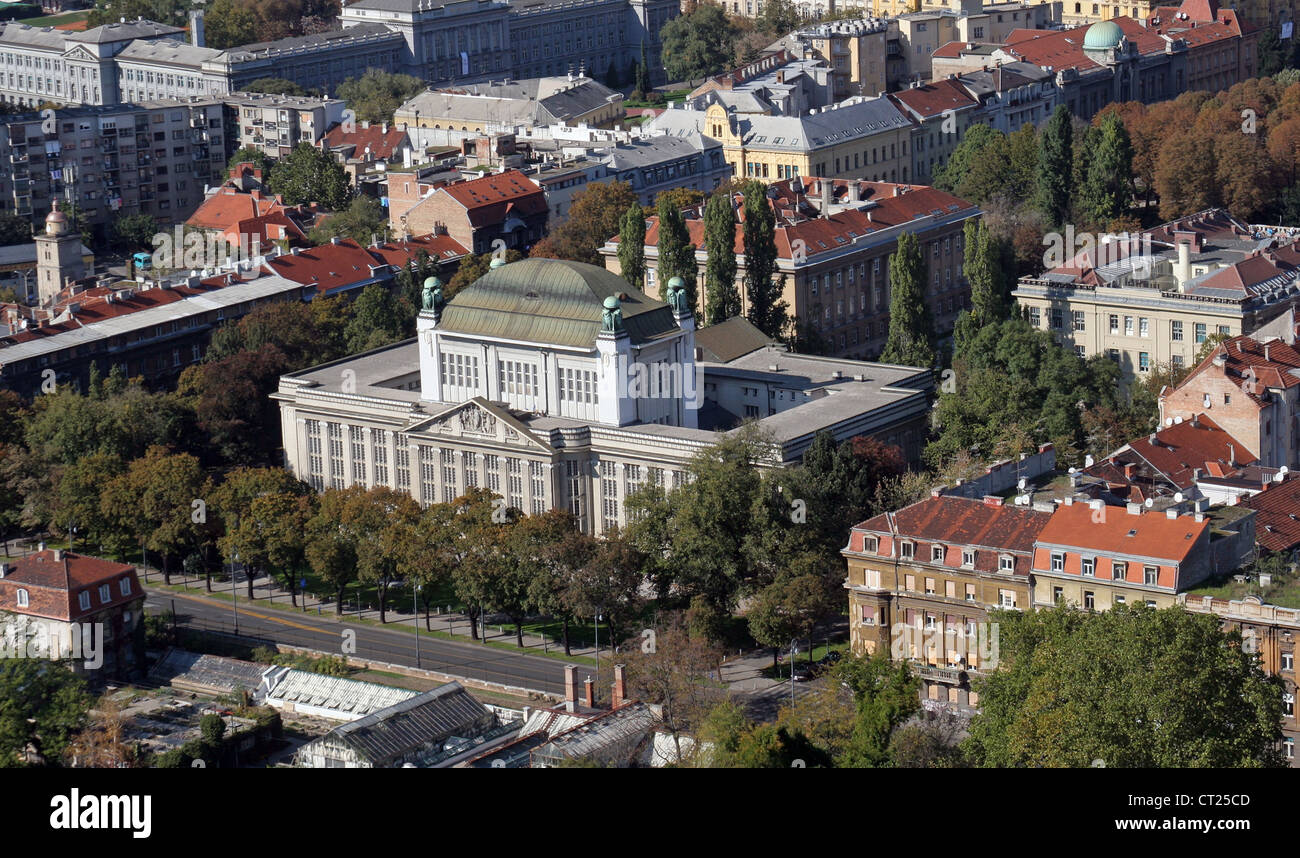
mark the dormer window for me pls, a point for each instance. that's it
(968, 558)
(936, 554)
(1089, 566)
(23, 599)
(871, 544)
(105, 594)
(126, 586)
(907, 550)
(1006, 563)
(83, 599)
(1058, 561)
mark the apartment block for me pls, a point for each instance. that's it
(834, 239)
(1153, 299)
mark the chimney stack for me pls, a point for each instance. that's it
(589, 693)
(620, 686)
(570, 686)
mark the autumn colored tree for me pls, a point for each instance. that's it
(472, 267)
(594, 218)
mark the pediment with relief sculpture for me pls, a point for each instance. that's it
(480, 420)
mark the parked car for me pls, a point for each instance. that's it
(801, 673)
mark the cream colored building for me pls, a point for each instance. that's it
(1154, 301)
(555, 385)
(863, 138)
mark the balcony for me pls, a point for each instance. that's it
(17, 157)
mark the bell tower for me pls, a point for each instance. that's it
(58, 255)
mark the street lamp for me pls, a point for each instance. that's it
(234, 588)
(415, 622)
(597, 624)
(794, 642)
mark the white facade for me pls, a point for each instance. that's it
(553, 425)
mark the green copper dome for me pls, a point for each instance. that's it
(1102, 36)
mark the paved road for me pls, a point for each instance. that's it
(472, 661)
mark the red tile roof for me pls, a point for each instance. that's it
(230, 205)
(896, 204)
(933, 99)
(441, 248)
(328, 267)
(1180, 449)
(489, 199)
(1062, 49)
(1114, 530)
(958, 522)
(1277, 519)
(95, 305)
(383, 145)
(54, 582)
(1253, 366)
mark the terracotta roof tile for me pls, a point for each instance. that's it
(54, 583)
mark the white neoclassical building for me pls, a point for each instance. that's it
(555, 384)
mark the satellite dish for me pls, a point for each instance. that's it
(1149, 503)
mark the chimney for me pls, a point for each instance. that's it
(4, 569)
(1183, 271)
(58, 555)
(1134, 508)
(196, 28)
(992, 500)
(570, 686)
(1130, 470)
(589, 693)
(620, 687)
(828, 196)
(1232, 456)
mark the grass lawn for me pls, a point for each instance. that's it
(57, 20)
(1284, 591)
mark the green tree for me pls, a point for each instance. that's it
(631, 246)
(308, 175)
(42, 705)
(720, 269)
(376, 95)
(886, 694)
(362, 221)
(1132, 686)
(250, 154)
(1055, 163)
(679, 674)
(778, 18)
(1107, 192)
(979, 167)
(694, 536)
(135, 231)
(982, 265)
(767, 311)
(228, 23)
(641, 75)
(14, 229)
(273, 85)
(332, 542)
(377, 320)
(911, 327)
(698, 44)
(676, 253)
